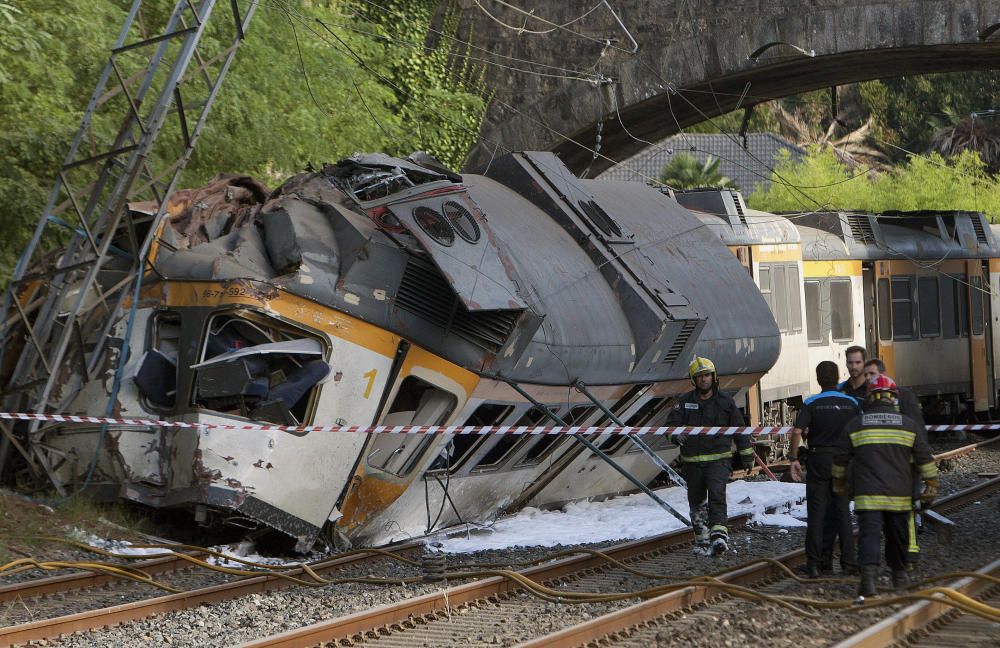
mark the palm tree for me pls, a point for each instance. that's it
(851, 149)
(686, 172)
(971, 134)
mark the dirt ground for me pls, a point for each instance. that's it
(27, 527)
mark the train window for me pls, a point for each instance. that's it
(902, 308)
(929, 306)
(464, 444)
(962, 289)
(253, 366)
(949, 308)
(814, 319)
(642, 417)
(978, 319)
(546, 445)
(779, 289)
(841, 310)
(656, 417)
(884, 310)
(638, 419)
(765, 286)
(417, 403)
(779, 285)
(156, 378)
(794, 301)
(506, 444)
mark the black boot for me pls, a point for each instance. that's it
(900, 579)
(812, 570)
(869, 575)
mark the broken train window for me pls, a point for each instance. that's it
(256, 367)
(156, 378)
(417, 402)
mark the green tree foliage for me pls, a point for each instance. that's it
(685, 172)
(441, 97)
(908, 110)
(313, 82)
(820, 181)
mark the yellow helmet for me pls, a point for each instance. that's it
(699, 366)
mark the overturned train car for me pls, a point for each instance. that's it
(392, 291)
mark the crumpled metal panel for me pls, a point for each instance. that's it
(475, 269)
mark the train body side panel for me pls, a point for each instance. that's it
(926, 359)
(994, 278)
(825, 342)
(789, 377)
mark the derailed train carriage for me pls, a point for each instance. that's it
(382, 290)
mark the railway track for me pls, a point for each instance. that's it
(96, 593)
(932, 623)
(101, 597)
(640, 624)
(469, 613)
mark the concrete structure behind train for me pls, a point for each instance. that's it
(694, 60)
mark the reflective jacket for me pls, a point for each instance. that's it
(882, 446)
(718, 410)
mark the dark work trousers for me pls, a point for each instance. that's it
(829, 515)
(871, 524)
(708, 479)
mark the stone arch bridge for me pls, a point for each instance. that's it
(653, 67)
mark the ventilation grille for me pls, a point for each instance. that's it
(682, 339)
(977, 224)
(427, 294)
(738, 201)
(861, 228)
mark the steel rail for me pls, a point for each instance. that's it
(617, 621)
(92, 619)
(446, 598)
(964, 450)
(919, 615)
(85, 580)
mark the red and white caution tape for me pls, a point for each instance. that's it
(454, 429)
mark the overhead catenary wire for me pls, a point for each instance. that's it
(347, 50)
(775, 176)
(557, 71)
(555, 27)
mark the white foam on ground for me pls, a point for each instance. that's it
(119, 547)
(628, 518)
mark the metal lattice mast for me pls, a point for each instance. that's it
(136, 137)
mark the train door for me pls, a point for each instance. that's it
(877, 279)
(870, 308)
(979, 334)
(424, 391)
(744, 254)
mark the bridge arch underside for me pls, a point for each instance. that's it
(667, 113)
(674, 62)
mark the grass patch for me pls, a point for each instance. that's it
(25, 524)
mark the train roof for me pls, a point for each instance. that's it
(726, 214)
(924, 235)
(540, 276)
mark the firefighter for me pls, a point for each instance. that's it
(855, 385)
(880, 446)
(708, 459)
(909, 405)
(822, 420)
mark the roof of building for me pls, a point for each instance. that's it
(747, 167)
